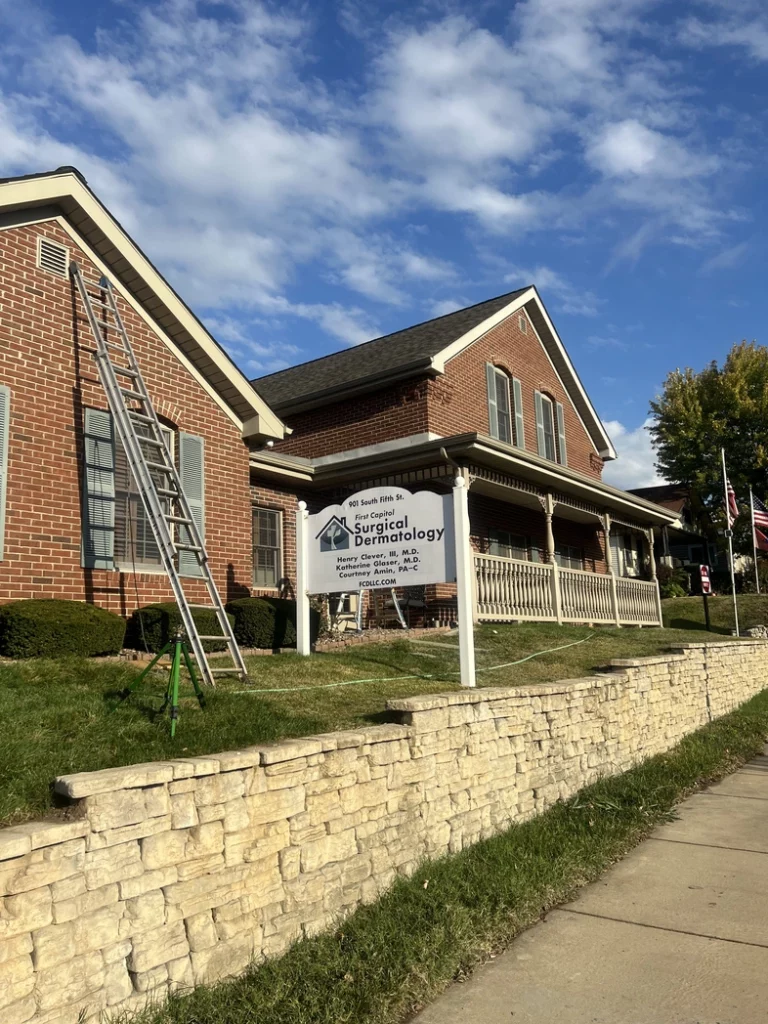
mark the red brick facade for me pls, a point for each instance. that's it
(458, 401)
(453, 403)
(52, 379)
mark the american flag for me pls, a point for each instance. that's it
(761, 541)
(759, 513)
(731, 508)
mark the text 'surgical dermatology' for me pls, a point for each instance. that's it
(384, 537)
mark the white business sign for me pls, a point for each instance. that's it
(382, 537)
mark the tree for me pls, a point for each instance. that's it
(697, 414)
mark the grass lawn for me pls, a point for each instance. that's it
(688, 612)
(57, 716)
(392, 957)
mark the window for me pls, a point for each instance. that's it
(523, 325)
(550, 429)
(627, 554)
(505, 416)
(267, 545)
(135, 543)
(569, 557)
(548, 425)
(507, 545)
(52, 256)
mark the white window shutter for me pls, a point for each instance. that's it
(517, 390)
(98, 491)
(192, 473)
(5, 421)
(562, 449)
(493, 409)
(540, 440)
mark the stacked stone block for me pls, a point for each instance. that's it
(175, 873)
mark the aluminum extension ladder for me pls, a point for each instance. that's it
(166, 505)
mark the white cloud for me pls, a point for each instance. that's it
(635, 465)
(727, 258)
(567, 297)
(742, 25)
(629, 148)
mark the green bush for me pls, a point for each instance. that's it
(155, 624)
(54, 629)
(268, 622)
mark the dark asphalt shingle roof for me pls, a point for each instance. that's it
(380, 357)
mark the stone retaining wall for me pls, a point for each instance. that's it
(177, 872)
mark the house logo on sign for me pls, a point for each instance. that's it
(334, 536)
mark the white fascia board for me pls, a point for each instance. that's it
(395, 445)
(81, 243)
(51, 188)
(597, 490)
(529, 295)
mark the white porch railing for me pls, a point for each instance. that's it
(512, 589)
(509, 589)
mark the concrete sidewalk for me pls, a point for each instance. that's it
(677, 933)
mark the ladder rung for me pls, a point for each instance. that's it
(178, 519)
(226, 671)
(219, 636)
(127, 373)
(138, 416)
(132, 394)
(158, 465)
(98, 302)
(208, 607)
(188, 547)
(165, 493)
(150, 440)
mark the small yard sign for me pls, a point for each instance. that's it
(387, 537)
(382, 537)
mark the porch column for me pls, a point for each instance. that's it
(549, 508)
(609, 566)
(652, 564)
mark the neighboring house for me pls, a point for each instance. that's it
(71, 522)
(488, 392)
(680, 543)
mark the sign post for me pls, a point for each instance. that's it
(387, 537)
(464, 583)
(706, 590)
(302, 589)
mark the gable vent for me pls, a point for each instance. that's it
(53, 257)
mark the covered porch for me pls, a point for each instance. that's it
(562, 559)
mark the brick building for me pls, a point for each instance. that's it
(488, 392)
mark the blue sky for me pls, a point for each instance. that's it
(310, 176)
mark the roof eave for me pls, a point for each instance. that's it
(362, 386)
(90, 218)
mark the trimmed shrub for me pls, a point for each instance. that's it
(54, 628)
(268, 622)
(160, 622)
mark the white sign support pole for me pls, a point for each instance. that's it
(464, 583)
(302, 596)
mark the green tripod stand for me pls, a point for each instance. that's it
(180, 651)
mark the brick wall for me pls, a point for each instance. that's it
(52, 380)
(397, 411)
(181, 872)
(458, 401)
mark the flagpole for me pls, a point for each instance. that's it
(729, 535)
(754, 539)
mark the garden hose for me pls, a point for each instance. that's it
(392, 679)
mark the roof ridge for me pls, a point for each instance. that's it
(382, 337)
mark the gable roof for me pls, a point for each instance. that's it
(425, 349)
(378, 360)
(65, 193)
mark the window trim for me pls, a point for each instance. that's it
(514, 412)
(279, 572)
(548, 403)
(523, 324)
